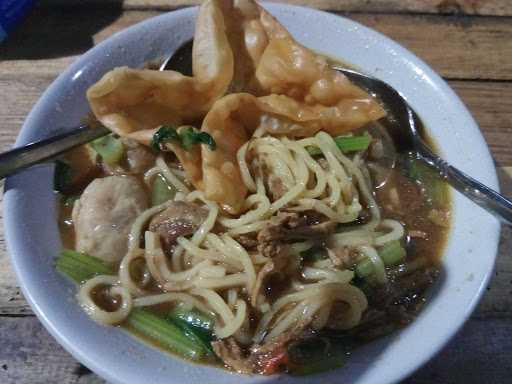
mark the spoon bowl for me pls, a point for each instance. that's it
(405, 131)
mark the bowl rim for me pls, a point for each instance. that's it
(27, 133)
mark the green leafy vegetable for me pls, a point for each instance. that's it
(187, 136)
(345, 144)
(80, 266)
(196, 323)
(110, 148)
(195, 319)
(162, 191)
(191, 136)
(164, 134)
(167, 334)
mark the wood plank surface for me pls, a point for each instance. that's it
(469, 42)
(32, 356)
(468, 7)
(450, 44)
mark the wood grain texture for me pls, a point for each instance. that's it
(468, 7)
(458, 47)
(475, 53)
(32, 356)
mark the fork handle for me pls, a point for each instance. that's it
(485, 197)
(30, 154)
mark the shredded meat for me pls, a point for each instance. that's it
(247, 241)
(179, 219)
(232, 355)
(294, 226)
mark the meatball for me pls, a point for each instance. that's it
(104, 214)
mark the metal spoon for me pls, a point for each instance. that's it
(19, 158)
(404, 129)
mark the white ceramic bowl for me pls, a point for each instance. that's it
(33, 238)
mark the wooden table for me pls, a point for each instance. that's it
(469, 42)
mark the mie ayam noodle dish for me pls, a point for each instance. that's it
(253, 215)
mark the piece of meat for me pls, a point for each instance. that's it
(287, 226)
(104, 214)
(232, 355)
(247, 241)
(179, 219)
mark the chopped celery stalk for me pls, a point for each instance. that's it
(345, 144)
(166, 333)
(162, 191)
(430, 181)
(392, 253)
(353, 143)
(110, 149)
(364, 268)
(80, 267)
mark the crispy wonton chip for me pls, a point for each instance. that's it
(238, 47)
(131, 100)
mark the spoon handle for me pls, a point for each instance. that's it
(19, 158)
(485, 197)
